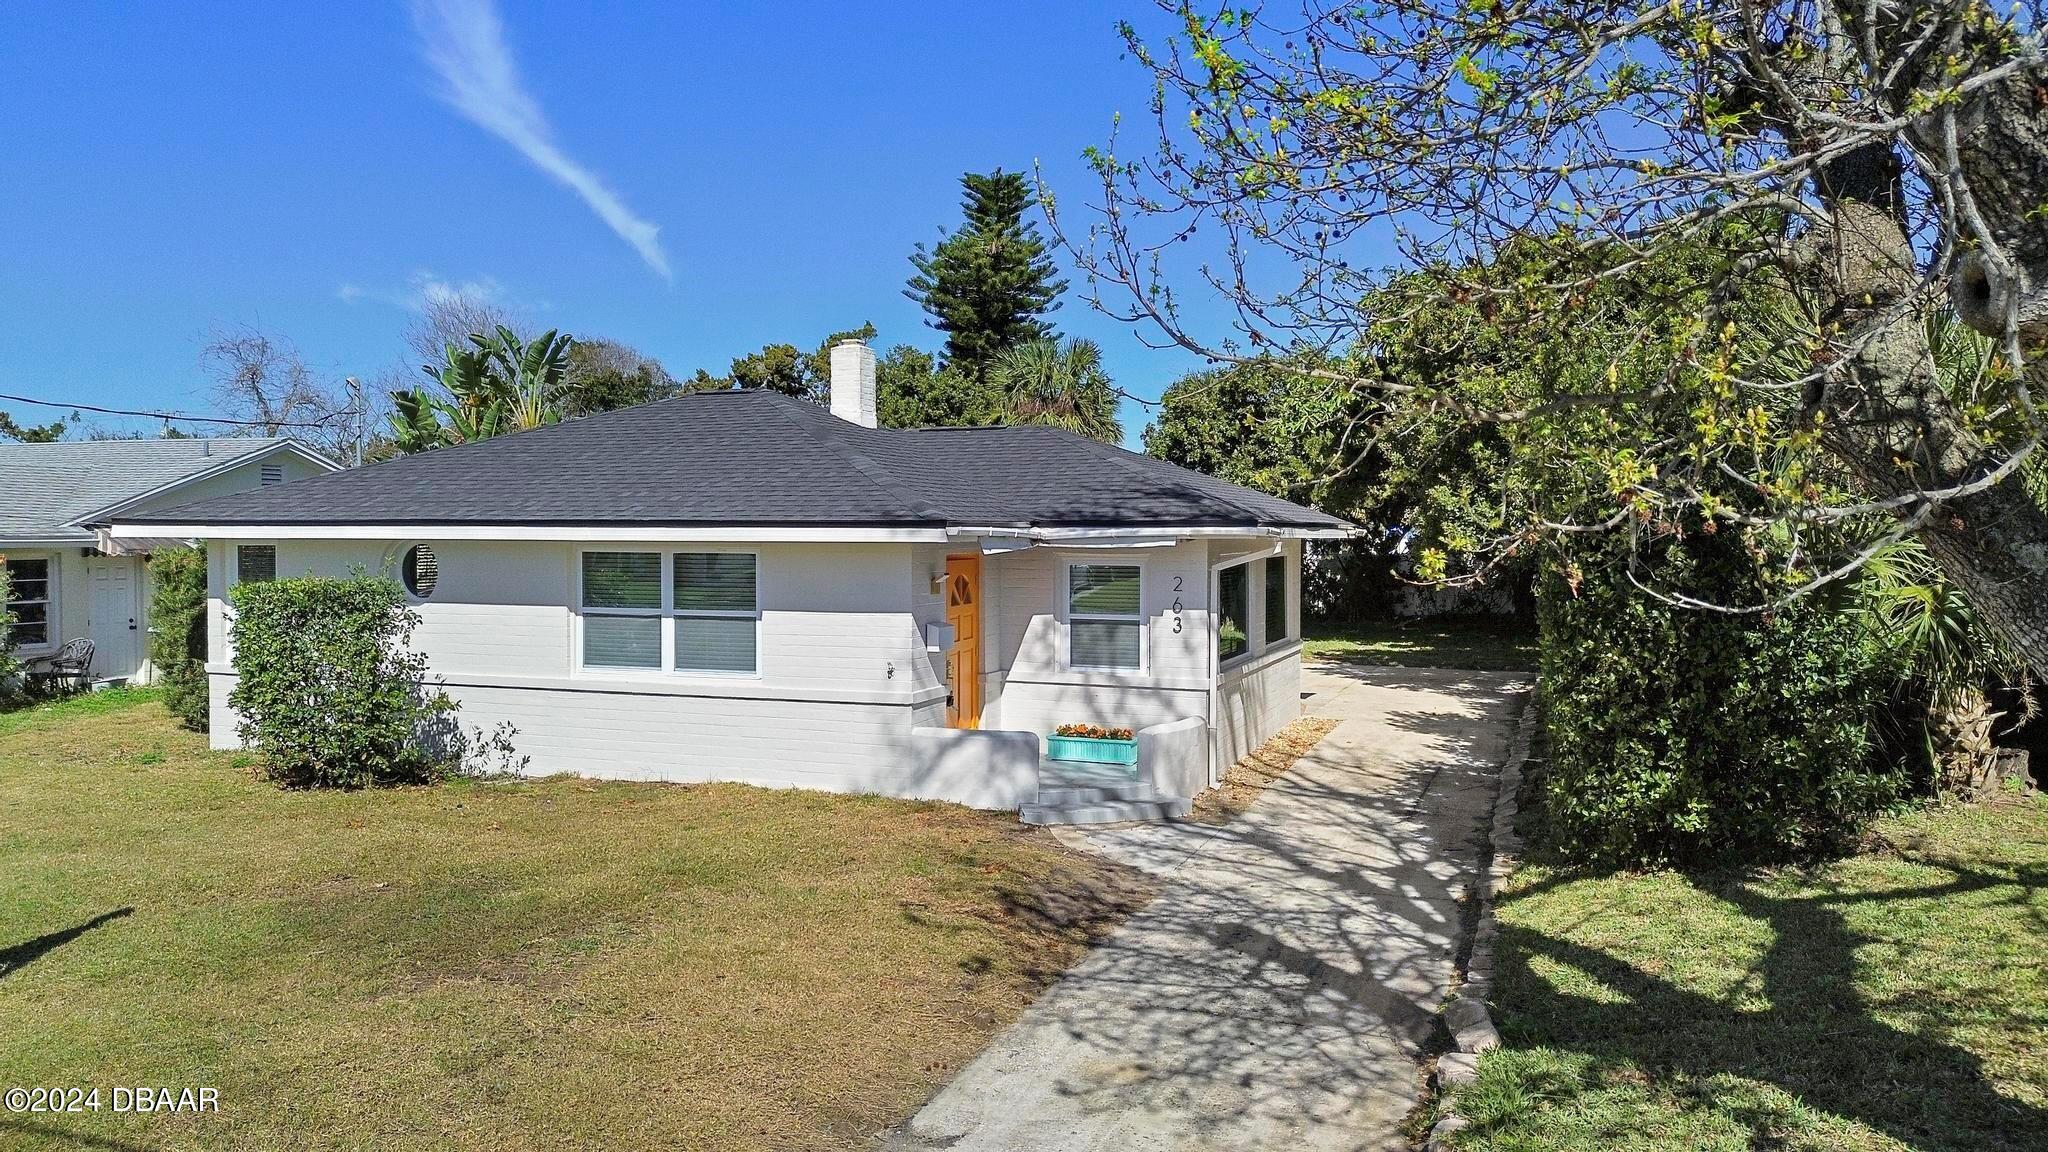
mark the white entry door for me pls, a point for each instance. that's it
(113, 625)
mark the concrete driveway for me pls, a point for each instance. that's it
(1278, 992)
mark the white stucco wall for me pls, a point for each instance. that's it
(844, 678)
(1028, 637)
(1259, 693)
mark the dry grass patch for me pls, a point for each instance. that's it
(1249, 777)
(546, 964)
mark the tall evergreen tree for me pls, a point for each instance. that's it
(988, 285)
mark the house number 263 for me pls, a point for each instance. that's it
(1177, 587)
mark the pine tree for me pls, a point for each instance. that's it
(989, 284)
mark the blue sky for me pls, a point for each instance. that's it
(309, 170)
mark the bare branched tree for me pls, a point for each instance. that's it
(1876, 164)
(451, 316)
(261, 378)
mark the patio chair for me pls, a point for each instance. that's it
(69, 668)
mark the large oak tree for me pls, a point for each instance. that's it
(1857, 171)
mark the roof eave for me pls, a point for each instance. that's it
(559, 532)
(45, 541)
(1057, 532)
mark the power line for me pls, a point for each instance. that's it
(169, 417)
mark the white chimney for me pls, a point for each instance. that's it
(853, 382)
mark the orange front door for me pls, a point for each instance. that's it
(963, 659)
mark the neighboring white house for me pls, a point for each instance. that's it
(68, 580)
(744, 586)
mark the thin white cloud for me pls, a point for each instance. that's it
(464, 40)
(428, 288)
(424, 287)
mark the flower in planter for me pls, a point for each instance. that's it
(1093, 732)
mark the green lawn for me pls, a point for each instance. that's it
(553, 964)
(1896, 999)
(1426, 644)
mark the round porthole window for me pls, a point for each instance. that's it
(421, 571)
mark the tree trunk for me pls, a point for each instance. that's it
(1886, 416)
(1966, 760)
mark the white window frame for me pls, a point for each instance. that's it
(668, 591)
(1216, 572)
(1065, 595)
(667, 613)
(1254, 608)
(53, 622)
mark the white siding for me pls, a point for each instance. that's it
(1256, 699)
(1260, 693)
(1027, 627)
(844, 676)
(242, 478)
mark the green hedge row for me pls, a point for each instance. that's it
(1683, 735)
(177, 625)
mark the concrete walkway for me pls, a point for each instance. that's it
(1277, 993)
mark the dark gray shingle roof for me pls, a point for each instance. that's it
(760, 458)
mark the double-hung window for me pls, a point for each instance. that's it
(717, 613)
(1104, 622)
(1276, 599)
(28, 600)
(622, 610)
(692, 612)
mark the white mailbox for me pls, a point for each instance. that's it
(938, 636)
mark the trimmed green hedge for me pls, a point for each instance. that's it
(10, 667)
(329, 692)
(177, 643)
(1680, 735)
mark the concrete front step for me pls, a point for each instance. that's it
(1055, 794)
(1105, 811)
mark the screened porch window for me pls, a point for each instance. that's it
(1233, 612)
(1107, 630)
(1276, 599)
(28, 600)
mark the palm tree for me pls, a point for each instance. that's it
(532, 375)
(1949, 655)
(1063, 385)
(500, 384)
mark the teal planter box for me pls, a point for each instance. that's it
(1087, 750)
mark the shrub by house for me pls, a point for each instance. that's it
(329, 692)
(177, 643)
(1681, 735)
(10, 666)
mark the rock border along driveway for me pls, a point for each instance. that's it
(1468, 1016)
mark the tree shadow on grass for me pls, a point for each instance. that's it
(27, 952)
(57, 1136)
(1818, 1038)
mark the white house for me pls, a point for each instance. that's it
(69, 581)
(744, 586)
